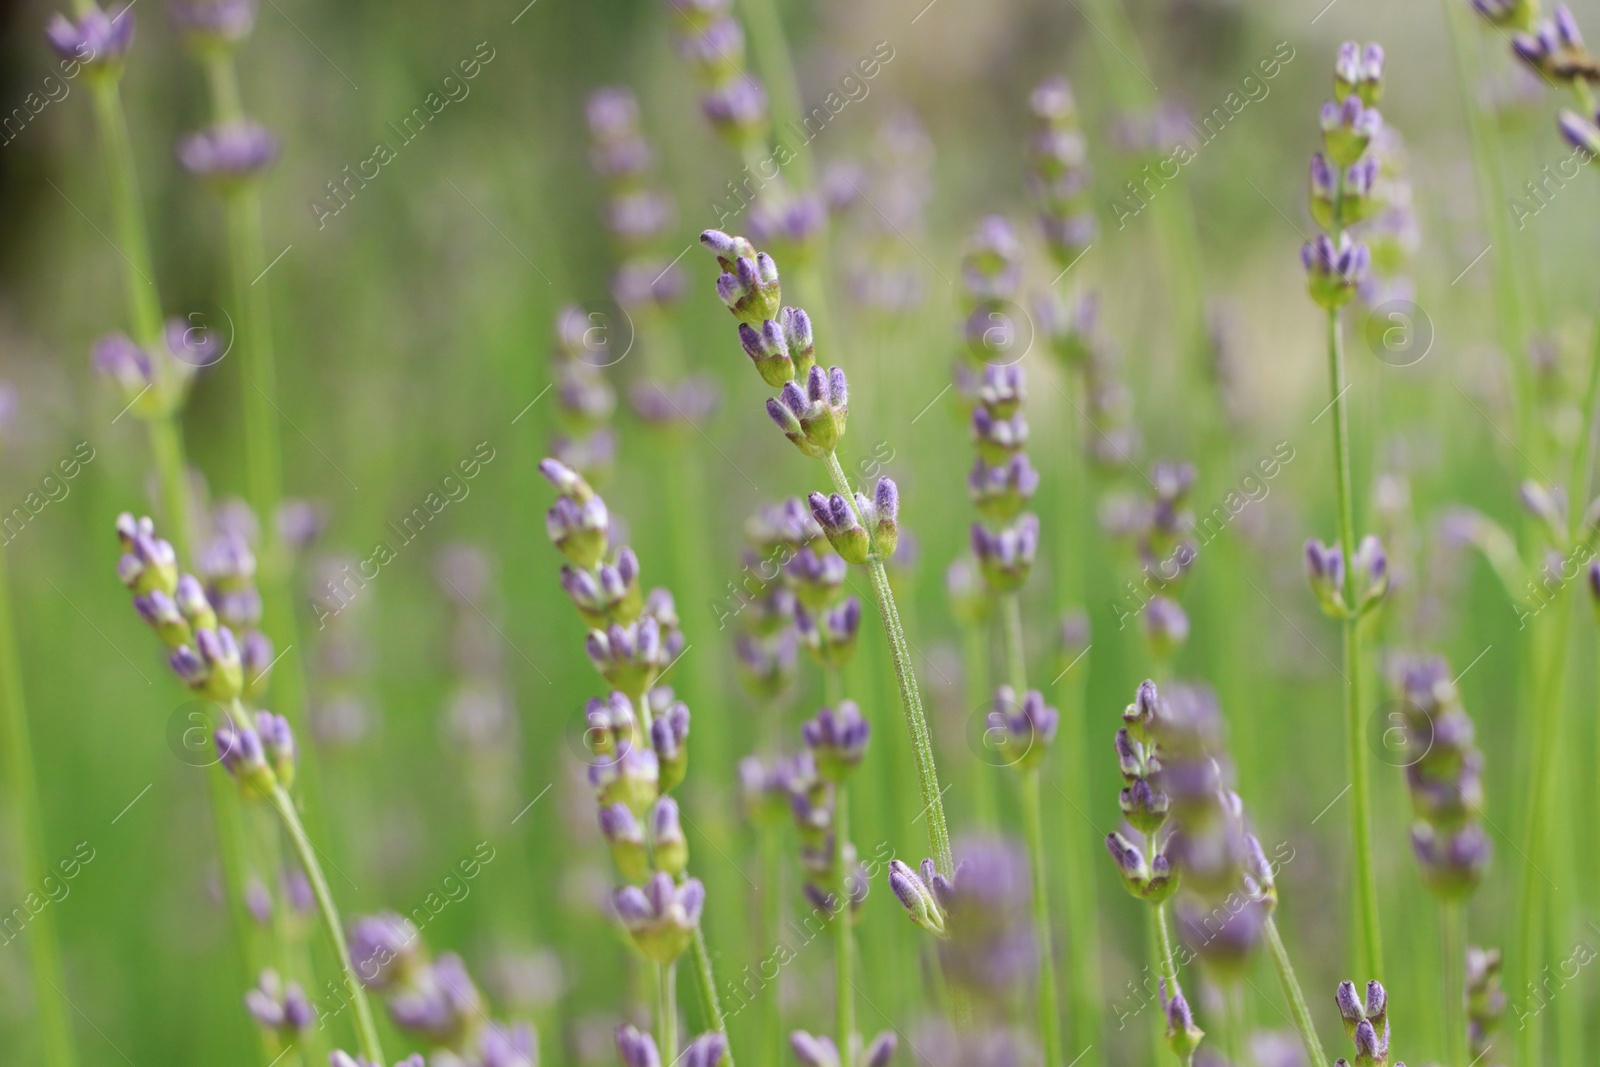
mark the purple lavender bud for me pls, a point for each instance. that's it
(830, 635)
(1351, 1009)
(814, 1051)
(116, 357)
(837, 739)
(277, 746)
(258, 901)
(1348, 128)
(880, 1050)
(886, 517)
(240, 751)
(996, 438)
(230, 151)
(1183, 1036)
(98, 39)
(787, 218)
(625, 837)
(1141, 714)
(992, 268)
(1023, 732)
(516, 1046)
(631, 778)
(1359, 70)
(1006, 556)
(838, 521)
(628, 657)
(636, 1049)
(707, 1050)
(816, 578)
(1453, 862)
(737, 110)
(750, 288)
(212, 24)
(669, 736)
(383, 949)
(1325, 571)
(917, 897)
(1579, 131)
(441, 1003)
(1370, 565)
(278, 1007)
(671, 846)
(769, 351)
(661, 917)
(1334, 269)
(608, 724)
(1165, 626)
(796, 327)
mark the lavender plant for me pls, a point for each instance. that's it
(639, 736)
(1172, 756)
(780, 343)
(1004, 542)
(1348, 579)
(1367, 1023)
(258, 751)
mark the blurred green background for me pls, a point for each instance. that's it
(417, 322)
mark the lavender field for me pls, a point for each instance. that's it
(750, 533)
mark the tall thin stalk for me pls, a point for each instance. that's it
(1297, 999)
(844, 951)
(306, 852)
(1355, 725)
(1049, 998)
(1033, 823)
(910, 695)
(1452, 963)
(44, 946)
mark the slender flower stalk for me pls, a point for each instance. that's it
(1004, 540)
(306, 852)
(1349, 580)
(44, 946)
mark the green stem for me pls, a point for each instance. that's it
(1049, 1000)
(1297, 999)
(844, 986)
(144, 301)
(705, 981)
(772, 898)
(910, 696)
(44, 946)
(667, 1011)
(1161, 943)
(771, 49)
(1530, 910)
(1371, 961)
(1016, 662)
(1452, 950)
(366, 1028)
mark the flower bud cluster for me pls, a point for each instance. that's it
(638, 733)
(1343, 177)
(1444, 773)
(712, 43)
(1060, 179)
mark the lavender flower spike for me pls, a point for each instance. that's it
(749, 282)
(636, 1049)
(229, 151)
(1024, 731)
(837, 739)
(98, 39)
